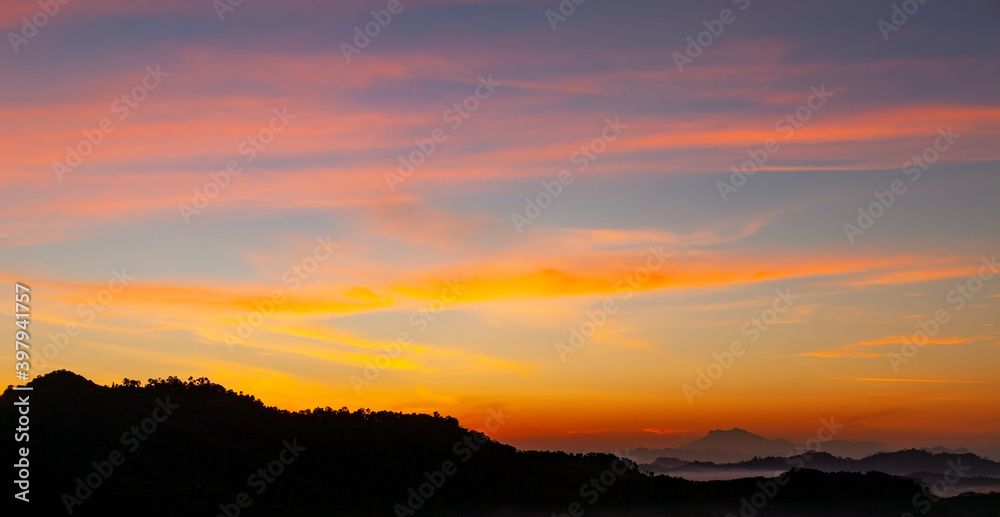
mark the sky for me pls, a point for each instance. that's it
(615, 224)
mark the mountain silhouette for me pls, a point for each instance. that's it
(733, 445)
(179, 448)
(737, 440)
(939, 449)
(948, 472)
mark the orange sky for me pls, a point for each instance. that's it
(429, 296)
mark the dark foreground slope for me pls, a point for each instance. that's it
(189, 449)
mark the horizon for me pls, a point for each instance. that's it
(623, 224)
(626, 451)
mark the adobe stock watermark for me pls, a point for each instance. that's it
(754, 329)
(248, 147)
(23, 466)
(456, 115)
(704, 39)
(263, 477)
(582, 158)
(787, 125)
(293, 277)
(225, 6)
(463, 450)
(625, 287)
(956, 299)
(899, 17)
(30, 26)
(122, 106)
(566, 9)
(913, 169)
(380, 20)
(87, 310)
(592, 490)
(796, 459)
(940, 488)
(132, 438)
(420, 319)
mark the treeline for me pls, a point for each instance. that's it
(201, 444)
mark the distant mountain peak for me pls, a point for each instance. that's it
(738, 440)
(735, 430)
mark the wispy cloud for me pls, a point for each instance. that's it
(589, 431)
(858, 349)
(665, 431)
(930, 381)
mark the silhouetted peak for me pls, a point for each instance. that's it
(733, 431)
(738, 440)
(62, 380)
